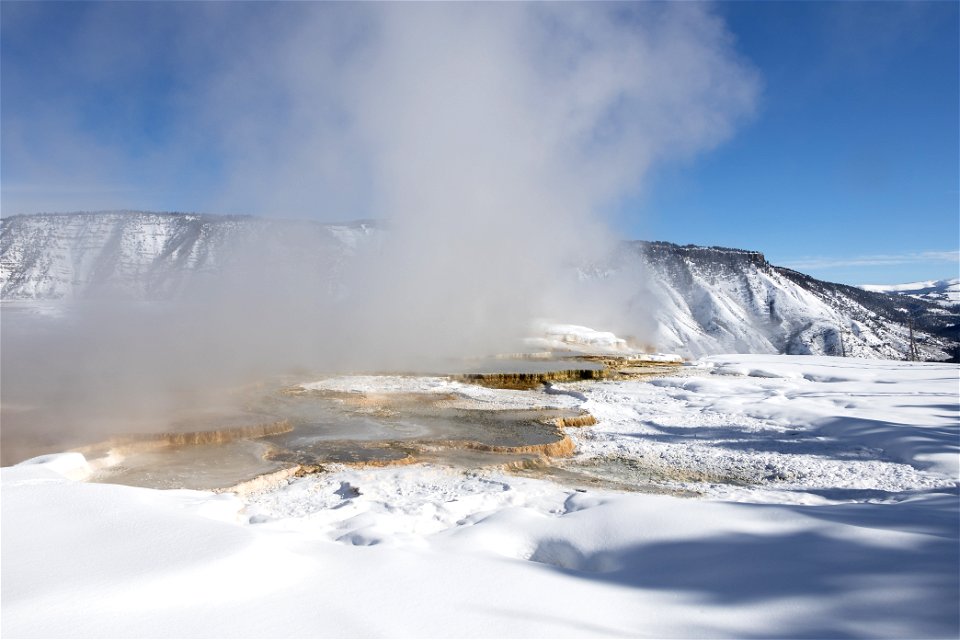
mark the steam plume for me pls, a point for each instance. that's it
(490, 137)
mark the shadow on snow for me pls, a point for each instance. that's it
(846, 569)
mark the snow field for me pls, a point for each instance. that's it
(432, 551)
(787, 423)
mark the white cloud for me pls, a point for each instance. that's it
(820, 262)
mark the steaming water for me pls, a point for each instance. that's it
(202, 467)
(326, 429)
(346, 439)
(383, 440)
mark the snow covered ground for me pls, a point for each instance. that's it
(825, 505)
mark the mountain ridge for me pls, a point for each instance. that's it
(708, 299)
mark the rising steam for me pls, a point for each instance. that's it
(490, 138)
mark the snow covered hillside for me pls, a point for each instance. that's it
(943, 292)
(701, 299)
(714, 299)
(773, 497)
(152, 255)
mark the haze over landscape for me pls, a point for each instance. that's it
(614, 299)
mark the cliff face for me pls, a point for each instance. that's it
(700, 299)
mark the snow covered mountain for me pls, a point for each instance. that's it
(152, 255)
(714, 298)
(709, 299)
(943, 292)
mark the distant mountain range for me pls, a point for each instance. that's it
(942, 292)
(708, 299)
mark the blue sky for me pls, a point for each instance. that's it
(847, 169)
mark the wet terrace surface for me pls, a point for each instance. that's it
(288, 427)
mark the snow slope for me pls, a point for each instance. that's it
(713, 299)
(432, 551)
